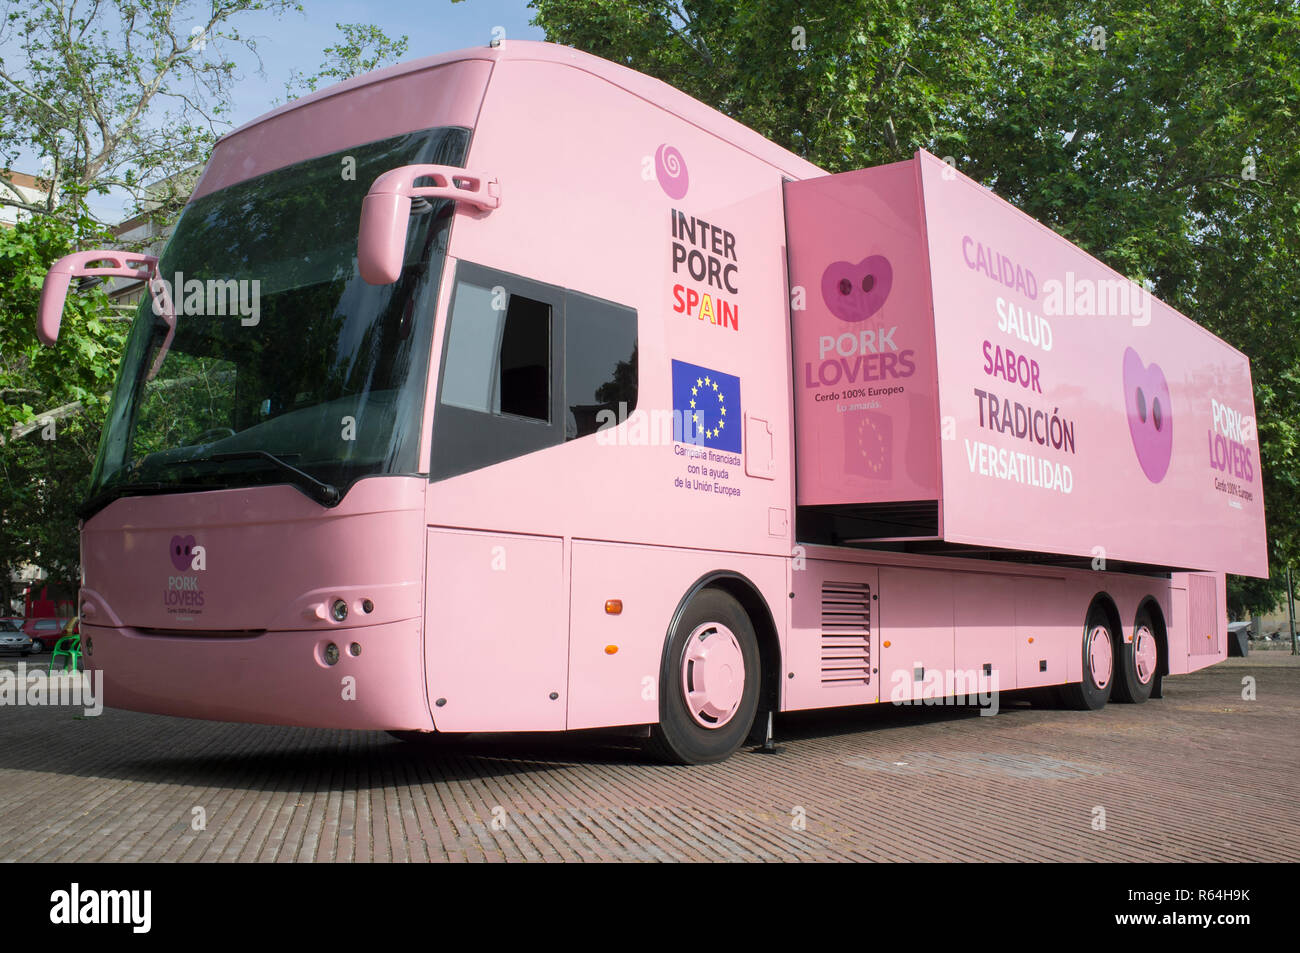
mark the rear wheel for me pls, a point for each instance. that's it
(1139, 662)
(708, 690)
(1098, 664)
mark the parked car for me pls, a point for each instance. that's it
(13, 638)
(45, 632)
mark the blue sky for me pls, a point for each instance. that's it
(295, 41)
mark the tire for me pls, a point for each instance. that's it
(1098, 648)
(37, 646)
(709, 683)
(1139, 662)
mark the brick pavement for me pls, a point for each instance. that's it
(1199, 775)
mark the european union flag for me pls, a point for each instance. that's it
(706, 407)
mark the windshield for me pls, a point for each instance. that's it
(285, 366)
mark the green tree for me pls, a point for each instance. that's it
(116, 94)
(39, 383)
(51, 400)
(363, 48)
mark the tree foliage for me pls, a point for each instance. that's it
(37, 381)
(51, 400)
(362, 48)
(116, 94)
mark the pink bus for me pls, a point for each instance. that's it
(510, 390)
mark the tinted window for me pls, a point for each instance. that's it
(600, 372)
(498, 353)
(527, 366)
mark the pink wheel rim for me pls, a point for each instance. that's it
(1144, 654)
(1100, 656)
(713, 675)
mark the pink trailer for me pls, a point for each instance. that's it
(463, 401)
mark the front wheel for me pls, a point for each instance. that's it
(1098, 665)
(708, 689)
(1139, 664)
(38, 646)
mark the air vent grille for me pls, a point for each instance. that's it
(846, 633)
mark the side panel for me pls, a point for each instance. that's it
(620, 687)
(496, 652)
(1207, 620)
(1046, 631)
(1091, 419)
(834, 641)
(866, 425)
(985, 639)
(916, 631)
(1179, 628)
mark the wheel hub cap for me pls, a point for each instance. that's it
(1099, 656)
(713, 675)
(1144, 654)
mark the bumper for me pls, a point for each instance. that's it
(276, 678)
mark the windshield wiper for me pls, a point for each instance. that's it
(101, 500)
(323, 493)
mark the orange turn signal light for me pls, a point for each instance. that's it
(1031, 638)
(613, 606)
(611, 649)
(886, 644)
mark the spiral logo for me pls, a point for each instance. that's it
(670, 168)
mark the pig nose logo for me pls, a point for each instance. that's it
(855, 292)
(670, 169)
(1150, 417)
(182, 552)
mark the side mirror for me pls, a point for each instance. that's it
(82, 265)
(386, 212)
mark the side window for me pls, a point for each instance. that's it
(526, 366)
(600, 369)
(499, 389)
(499, 353)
